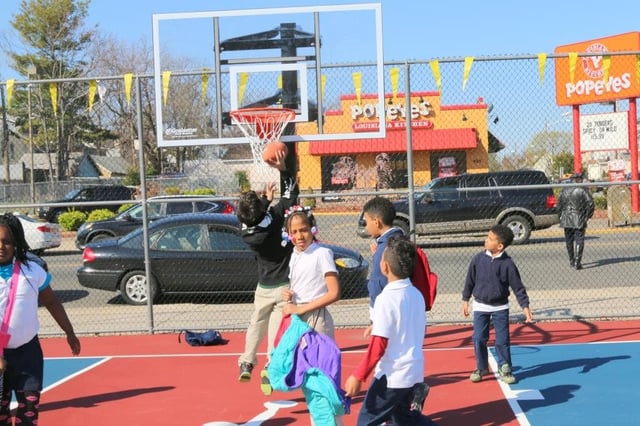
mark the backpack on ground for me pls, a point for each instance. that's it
(424, 279)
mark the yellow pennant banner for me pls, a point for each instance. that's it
(573, 60)
(93, 87)
(435, 70)
(606, 65)
(204, 84)
(323, 84)
(244, 78)
(468, 61)
(542, 63)
(128, 78)
(9, 92)
(280, 82)
(53, 91)
(394, 75)
(357, 84)
(166, 77)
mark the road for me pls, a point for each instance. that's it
(609, 253)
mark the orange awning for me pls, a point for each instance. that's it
(396, 141)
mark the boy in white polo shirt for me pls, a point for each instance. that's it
(395, 347)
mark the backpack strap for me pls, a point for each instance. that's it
(11, 298)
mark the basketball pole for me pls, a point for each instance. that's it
(289, 95)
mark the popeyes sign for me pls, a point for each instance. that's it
(591, 80)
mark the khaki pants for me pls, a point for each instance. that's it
(321, 321)
(266, 317)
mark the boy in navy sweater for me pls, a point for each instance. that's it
(379, 213)
(490, 275)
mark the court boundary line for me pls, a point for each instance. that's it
(77, 373)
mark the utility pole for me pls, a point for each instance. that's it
(5, 140)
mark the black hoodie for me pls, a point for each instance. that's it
(265, 238)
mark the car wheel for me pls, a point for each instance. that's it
(521, 228)
(133, 288)
(402, 224)
(56, 216)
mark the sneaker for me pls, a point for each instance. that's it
(420, 392)
(265, 383)
(476, 376)
(506, 375)
(245, 371)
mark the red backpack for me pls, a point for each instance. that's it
(424, 279)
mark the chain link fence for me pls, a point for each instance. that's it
(508, 103)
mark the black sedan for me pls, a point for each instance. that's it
(193, 253)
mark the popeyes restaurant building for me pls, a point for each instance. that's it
(446, 140)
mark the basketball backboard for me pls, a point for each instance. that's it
(207, 64)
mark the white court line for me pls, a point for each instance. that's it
(14, 404)
(512, 396)
(77, 373)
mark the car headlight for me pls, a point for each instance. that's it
(347, 262)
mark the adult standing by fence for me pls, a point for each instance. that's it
(576, 207)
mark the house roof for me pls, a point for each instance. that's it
(113, 165)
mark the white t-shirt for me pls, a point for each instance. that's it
(24, 324)
(307, 270)
(399, 316)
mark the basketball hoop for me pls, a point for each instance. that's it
(261, 126)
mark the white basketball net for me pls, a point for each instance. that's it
(261, 126)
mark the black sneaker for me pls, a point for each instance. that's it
(245, 371)
(420, 392)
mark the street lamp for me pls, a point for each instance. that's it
(31, 70)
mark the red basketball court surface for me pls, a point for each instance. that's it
(154, 380)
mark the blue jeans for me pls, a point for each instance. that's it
(382, 403)
(481, 324)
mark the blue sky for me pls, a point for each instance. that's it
(413, 29)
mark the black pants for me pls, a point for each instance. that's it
(574, 236)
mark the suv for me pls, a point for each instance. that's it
(453, 205)
(158, 207)
(87, 194)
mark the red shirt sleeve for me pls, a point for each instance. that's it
(377, 347)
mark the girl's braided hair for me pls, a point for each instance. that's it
(21, 247)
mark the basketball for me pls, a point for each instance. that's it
(272, 149)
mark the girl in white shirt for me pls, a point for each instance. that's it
(313, 276)
(22, 361)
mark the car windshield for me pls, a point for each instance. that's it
(72, 194)
(426, 188)
(135, 212)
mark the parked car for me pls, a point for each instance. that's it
(157, 207)
(40, 235)
(88, 194)
(454, 206)
(193, 253)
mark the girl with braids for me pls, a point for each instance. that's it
(313, 276)
(23, 361)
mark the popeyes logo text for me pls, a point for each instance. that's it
(598, 87)
(593, 68)
(392, 111)
(600, 73)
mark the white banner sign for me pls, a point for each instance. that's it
(604, 132)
